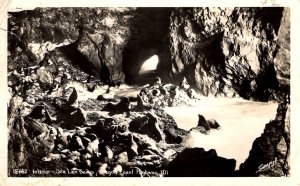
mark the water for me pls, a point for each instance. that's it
(241, 123)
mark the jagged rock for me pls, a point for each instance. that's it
(221, 50)
(148, 125)
(160, 96)
(45, 76)
(270, 152)
(282, 59)
(192, 94)
(157, 81)
(200, 129)
(198, 162)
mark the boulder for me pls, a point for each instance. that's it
(160, 96)
(196, 162)
(147, 125)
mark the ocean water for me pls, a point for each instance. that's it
(241, 123)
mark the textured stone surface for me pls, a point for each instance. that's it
(282, 59)
(269, 155)
(221, 51)
(94, 36)
(218, 51)
(226, 51)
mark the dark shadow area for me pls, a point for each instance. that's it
(150, 29)
(271, 15)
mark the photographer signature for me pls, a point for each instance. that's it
(267, 167)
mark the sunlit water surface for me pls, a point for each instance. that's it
(241, 123)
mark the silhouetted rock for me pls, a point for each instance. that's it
(202, 122)
(200, 163)
(269, 155)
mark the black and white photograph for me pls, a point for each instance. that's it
(196, 91)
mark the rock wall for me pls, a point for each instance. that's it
(149, 36)
(282, 59)
(269, 155)
(92, 38)
(228, 51)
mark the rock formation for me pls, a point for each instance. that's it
(233, 52)
(269, 155)
(197, 162)
(222, 50)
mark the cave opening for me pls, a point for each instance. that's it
(149, 40)
(148, 70)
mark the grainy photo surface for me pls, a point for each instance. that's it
(149, 92)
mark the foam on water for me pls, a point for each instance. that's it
(241, 123)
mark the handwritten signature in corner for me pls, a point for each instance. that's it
(267, 167)
(270, 2)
